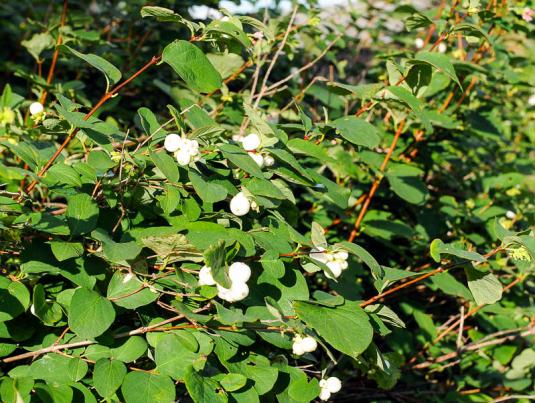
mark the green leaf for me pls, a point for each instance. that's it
(209, 192)
(14, 299)
(357, 131)
(66, 250)
(192, 65)
(167, 164)
(129, 292)
(144, 387)
(241, 159)
(167, 15)
(230, 29)
(233, 382)
(49, 312)
(485, 286)
(173, 357)
(345, 327)
(112, 73)
(108, 376)
(202, 388)
(16, 390)
(405, 181)
(367, 258)
(412, 102)
(300, 146)
(439, 61)
(438, 248)
(90, 314)
(38, 43)
(82, 214)
(317, 236)
(214, 257)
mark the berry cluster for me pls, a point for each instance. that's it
(329, 386)
(302, 345)
(251, 143)
(336, 261)
(238, 272)
(184, 150)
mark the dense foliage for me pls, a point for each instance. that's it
(329, 204)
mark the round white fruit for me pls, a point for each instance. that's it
(510, 215)
(333, 384)
(240, 204)
(325, 394)
(297, 347)
(319, 255)
(257, 158)
(335, 268)
(183, 157)
(341, 255)
(269, 161)
(419, 43)
(205, 276)
(36, 108)
(442, 47)
(239, 291)
(172, 142)
(239, 272)
(309, 344)
(251, 142)
(531, 100)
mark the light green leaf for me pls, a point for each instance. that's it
(439, 61)
(166, 164)
(485, 286)
(144, 387)
(209, 192)
(412, 102)
(357, 131)
(82, 214)
(345, 327)
(241, 159)
(90, 314)
(438, 248)
(108, 376)
(202, 388)
(14, 299)
(192, 65)
(112, 73)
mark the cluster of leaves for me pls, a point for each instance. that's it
(417, 163)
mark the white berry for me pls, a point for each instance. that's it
(442, 47)
(257, 158)
(325, 394)
(297, 346)
(341, 255)
(239, 272)
(309, 344)
(36, 108)
(269, 161)
(510, 215)
(205, 276)
(319, 255)
(531, 100)
(251, 142)
(240, 204)
(236, 292)
(335, 268)
(172, 142)
(183, 157)
(333, 384)
(419, 43)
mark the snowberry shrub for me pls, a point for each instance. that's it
(319, 206)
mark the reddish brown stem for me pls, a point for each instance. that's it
(102, 101)
(56, 52)
(376, 183)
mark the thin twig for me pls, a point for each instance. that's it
(55, 56)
